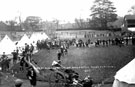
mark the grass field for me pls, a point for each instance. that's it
(101, 63)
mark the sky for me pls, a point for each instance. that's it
(63, 10)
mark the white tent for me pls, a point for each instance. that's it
(38, 36)
(125, 77)
(34, 38)
(23, 40)
(6, 45)
(43, 36)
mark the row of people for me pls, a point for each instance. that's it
(115, 41)
(103, 42)
(52, 44)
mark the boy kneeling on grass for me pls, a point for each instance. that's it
(87, 82)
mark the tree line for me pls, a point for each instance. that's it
(103, 15)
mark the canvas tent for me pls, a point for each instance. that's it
(38, 36)
(43, 36)
(125, 77)
(6, 45)
(34, 38)
(23, 40)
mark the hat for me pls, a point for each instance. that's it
(54, 63)
(18, 81)
(87, 77)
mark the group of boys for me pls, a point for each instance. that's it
(26, 56)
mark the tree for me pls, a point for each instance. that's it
(79, 23)
(94, 23)
(82, 23)
(116, 24)
(33, 23)
(11, 25)
(103, 11)
(3, 26)
(132, 10)
(56, 23)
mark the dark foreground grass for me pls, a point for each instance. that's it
(101, 63)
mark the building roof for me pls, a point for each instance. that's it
(96, 29)
(128, 17)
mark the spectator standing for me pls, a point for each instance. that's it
(126, 39)
(22, 62)
(14, 57)
(4, 62)
(4, 56)
(26, 47)
(31, 50)
(59, 55)
(31, 75)
(62, 50)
